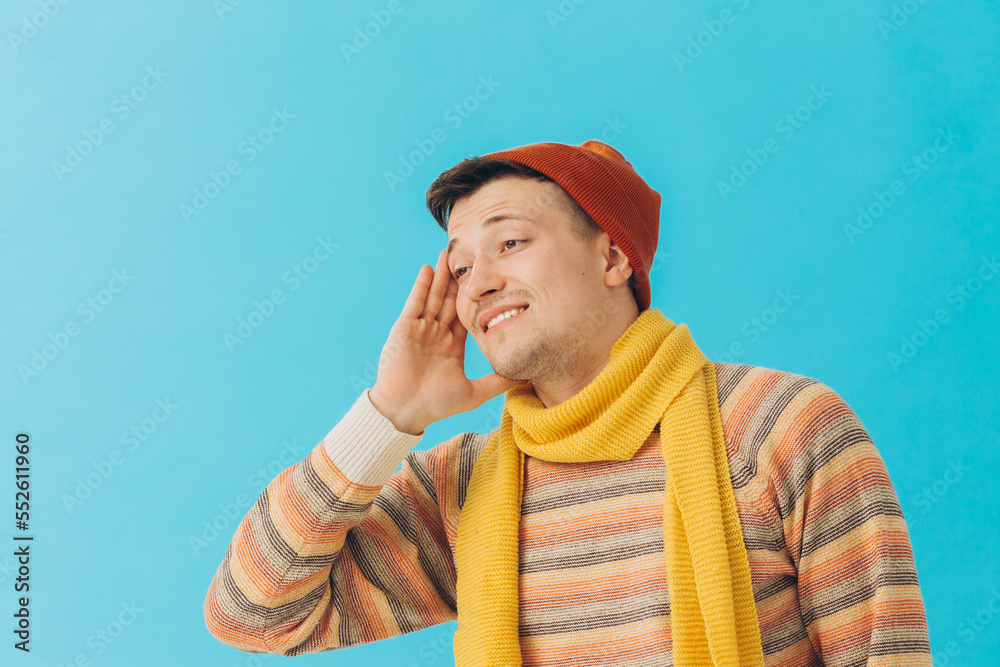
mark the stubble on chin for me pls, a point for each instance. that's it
(535, 358)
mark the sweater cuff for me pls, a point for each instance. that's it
(365, 445)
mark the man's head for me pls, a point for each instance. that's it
(468, 177)
(518, 239)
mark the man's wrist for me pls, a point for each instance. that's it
(365, 446)
(399, 420)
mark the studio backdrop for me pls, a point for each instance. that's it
(212, 212)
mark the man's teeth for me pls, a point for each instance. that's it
(502, 316)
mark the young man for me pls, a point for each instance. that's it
(638, 505)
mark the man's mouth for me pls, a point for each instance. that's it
(502, 318)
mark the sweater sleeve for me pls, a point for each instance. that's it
(857, 581)
(338, 550)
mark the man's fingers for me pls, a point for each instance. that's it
(459, 331)
(491, 386)
(438, 287)
(448, 309)
(418, 295)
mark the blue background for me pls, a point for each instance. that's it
(560, 72)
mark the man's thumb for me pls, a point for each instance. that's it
(492, 385)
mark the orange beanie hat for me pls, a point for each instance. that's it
(606, 186)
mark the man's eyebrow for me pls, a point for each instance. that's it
(493, 219)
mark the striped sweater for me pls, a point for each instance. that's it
(339, 550)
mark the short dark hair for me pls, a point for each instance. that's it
(465, 178)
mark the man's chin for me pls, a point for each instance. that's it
(509, 373)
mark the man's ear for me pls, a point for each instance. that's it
(617, 269)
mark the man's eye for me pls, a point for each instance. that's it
(458, 272)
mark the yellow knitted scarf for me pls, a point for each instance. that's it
(656, 373)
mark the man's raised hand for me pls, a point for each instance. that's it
(421, 370)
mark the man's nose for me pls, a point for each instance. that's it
(484, 279)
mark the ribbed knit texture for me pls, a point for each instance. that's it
(333, 557)
(655, 374)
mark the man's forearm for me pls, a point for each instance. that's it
(272, 591)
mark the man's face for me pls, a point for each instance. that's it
(531, 258)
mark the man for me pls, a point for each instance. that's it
(638, 505)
